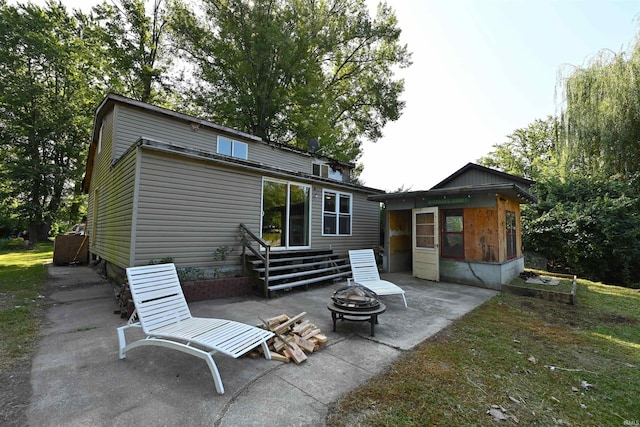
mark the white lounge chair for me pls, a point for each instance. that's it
(365, 272)
(163, 314)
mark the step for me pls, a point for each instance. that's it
(306, 273)
(281, 260)
(338, 261)
(309, 281)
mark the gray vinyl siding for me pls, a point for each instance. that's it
(117, 212)
(102, 161)
(365, 224)
(187, 209)
(115, 189)
(284, 159)
(133, 124)
(152, 204)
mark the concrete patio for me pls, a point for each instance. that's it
(78, 380)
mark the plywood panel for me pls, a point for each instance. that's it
(481, 237)
(399, 232)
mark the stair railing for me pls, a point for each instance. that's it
(248, 238)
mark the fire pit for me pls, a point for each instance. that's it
(356, 297)
(357, 303)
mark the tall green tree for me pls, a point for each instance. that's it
(601, 113)
(133, 41)
(289, 71)
(46, 107)
(530, 152)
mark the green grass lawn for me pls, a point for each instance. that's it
(22, 276)
(538, 362)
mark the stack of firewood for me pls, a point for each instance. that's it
(295, 337)
(125, 301)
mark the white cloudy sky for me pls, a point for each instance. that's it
(481, 69)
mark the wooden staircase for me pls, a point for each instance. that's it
(289, 269)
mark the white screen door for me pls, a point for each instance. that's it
(426, 257)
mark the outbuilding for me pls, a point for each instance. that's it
(465, 229)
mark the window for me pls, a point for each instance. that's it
(336, 213)
(100, 137)
(425, 230)
(326, 171)
(229, 147)
(452, 234)
(511, 235)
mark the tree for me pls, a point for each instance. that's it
(601, 113)
(132, 42)
(531, 152)
(46, 107)
(288, 71)
(585, 224)
(588, 225)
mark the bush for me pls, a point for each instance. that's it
(590, 226)
(13, 243)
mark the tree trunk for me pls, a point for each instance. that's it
(39, 232)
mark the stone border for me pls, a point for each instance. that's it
(546, 294)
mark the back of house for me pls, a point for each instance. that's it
(165, 185)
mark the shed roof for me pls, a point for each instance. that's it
(471, 168)
(485, 181)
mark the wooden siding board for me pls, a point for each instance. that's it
(481, 238)
(485, 232)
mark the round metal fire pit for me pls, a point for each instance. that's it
(356, 297)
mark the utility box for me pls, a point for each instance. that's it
(71, 249)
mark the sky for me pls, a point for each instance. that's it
(481, 69)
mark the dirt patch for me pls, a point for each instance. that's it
(618, 320)
(15, 395)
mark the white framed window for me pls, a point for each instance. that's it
(336, 213)
(326, 171)
(232, 148)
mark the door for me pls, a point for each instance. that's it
(286, 214)
(426, 257)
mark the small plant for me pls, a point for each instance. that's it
(165, 260)
(243, 238)
(190, 274)
(222, 253)
(15, 243)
